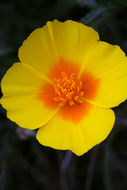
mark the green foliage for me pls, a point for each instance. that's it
(24, 164)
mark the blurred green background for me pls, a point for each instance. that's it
(24, 163)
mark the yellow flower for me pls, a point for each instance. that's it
(65, 84)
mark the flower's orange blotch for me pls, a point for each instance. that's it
(76, 112)
(68, 67)
(69, 91)
(47, 96)
(90, 85)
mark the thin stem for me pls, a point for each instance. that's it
(63, 170)
(90, 170)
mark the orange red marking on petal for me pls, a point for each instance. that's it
(90, 85)
(76, 112)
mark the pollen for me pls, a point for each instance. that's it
(68, 90)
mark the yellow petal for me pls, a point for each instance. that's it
(107, 63)
(20, 87)
(62, 133)
(20, 79)
(69, 40)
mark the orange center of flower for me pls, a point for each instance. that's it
(68, 89)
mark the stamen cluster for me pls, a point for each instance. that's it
(68, 89)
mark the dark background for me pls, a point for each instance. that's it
(24, 163)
